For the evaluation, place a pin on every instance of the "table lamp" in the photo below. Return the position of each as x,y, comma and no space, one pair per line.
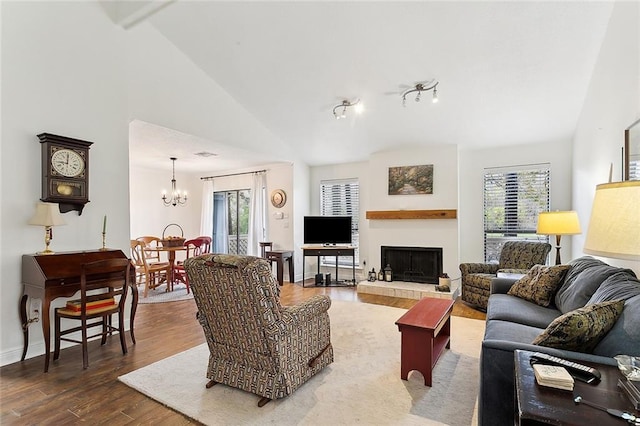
558,223
47,215
614,228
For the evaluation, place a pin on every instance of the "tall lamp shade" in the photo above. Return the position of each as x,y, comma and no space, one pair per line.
47,215
614,228
558,223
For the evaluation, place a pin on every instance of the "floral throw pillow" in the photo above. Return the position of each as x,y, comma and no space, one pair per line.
581,330
540,284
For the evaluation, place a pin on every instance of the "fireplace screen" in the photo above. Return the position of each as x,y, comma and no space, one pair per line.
414,264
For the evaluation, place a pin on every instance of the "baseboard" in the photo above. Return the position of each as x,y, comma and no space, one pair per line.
36,349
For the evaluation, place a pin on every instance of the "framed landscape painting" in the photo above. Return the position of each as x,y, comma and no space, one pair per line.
411,180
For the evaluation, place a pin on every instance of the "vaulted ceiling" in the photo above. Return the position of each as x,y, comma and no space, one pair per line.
508,72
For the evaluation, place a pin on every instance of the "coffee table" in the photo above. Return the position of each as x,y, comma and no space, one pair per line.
426,331
539,405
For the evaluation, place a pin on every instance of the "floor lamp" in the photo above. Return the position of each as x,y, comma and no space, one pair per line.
614,228
558,223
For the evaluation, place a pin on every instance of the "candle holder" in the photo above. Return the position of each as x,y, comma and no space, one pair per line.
104,241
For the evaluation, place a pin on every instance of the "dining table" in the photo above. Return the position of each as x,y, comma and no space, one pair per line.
171,257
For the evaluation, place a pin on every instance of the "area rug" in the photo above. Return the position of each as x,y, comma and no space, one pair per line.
161,295
362,385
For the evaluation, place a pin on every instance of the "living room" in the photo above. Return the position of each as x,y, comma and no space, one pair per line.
69,70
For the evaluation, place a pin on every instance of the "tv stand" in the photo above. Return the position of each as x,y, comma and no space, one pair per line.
323,250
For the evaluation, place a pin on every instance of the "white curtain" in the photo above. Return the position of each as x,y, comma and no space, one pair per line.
206,219
257,214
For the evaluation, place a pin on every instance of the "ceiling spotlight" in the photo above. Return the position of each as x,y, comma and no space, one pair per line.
340,110
419,88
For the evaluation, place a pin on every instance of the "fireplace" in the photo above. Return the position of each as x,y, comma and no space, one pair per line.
415,264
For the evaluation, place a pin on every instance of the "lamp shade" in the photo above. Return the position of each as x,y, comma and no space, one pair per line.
614,228
558,223
47,214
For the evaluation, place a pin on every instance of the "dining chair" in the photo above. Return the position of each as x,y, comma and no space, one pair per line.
194,247
109,285
206,247
151,242
154,273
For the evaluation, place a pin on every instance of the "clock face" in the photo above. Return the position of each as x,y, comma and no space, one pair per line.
67,162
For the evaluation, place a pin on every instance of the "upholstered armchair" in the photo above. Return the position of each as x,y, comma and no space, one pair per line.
516,257
255,343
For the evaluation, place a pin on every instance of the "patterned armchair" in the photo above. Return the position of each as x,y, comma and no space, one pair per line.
256,344
516,257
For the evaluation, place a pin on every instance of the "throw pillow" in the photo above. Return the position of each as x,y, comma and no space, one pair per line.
581,330
540,284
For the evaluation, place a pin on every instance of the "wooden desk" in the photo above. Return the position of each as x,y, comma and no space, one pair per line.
280,256
426,331
48,277
336,251
539,405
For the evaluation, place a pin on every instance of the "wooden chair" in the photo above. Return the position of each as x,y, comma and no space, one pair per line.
206,247
154,273
195,247
265,246
108,295
151,242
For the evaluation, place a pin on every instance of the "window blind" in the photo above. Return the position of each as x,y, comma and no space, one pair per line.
513,197
342,198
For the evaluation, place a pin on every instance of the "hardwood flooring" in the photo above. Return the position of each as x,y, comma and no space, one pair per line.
69,395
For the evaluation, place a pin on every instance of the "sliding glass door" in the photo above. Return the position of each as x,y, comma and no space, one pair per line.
231,221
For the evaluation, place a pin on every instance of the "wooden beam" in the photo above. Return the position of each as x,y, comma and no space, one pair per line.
412,214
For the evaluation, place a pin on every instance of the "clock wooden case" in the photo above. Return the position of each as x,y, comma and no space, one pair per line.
65,171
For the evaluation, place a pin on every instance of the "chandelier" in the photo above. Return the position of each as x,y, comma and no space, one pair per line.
177,198
421,87
340,110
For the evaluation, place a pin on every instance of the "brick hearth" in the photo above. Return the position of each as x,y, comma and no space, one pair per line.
406,290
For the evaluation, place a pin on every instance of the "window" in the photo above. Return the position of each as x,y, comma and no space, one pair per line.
342,198
513,197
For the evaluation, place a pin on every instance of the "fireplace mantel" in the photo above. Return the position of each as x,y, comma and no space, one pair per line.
412,214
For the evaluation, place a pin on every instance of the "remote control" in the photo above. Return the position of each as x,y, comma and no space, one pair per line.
579,371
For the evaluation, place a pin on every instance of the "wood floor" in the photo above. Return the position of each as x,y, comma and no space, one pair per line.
69,395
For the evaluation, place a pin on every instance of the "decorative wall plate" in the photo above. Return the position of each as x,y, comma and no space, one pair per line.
278,198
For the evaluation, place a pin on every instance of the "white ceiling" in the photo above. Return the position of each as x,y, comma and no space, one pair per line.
509,72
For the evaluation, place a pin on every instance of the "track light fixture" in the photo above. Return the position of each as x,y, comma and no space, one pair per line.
421,87
340,110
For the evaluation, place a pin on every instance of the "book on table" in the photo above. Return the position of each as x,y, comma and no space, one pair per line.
76,305
553,376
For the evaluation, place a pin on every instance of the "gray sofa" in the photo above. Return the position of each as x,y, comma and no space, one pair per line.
513,323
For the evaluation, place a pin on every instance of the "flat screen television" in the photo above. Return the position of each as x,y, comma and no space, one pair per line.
327,230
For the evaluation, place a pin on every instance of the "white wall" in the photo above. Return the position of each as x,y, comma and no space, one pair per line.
373,179
58,79
472,166
149,215
611,105
68,69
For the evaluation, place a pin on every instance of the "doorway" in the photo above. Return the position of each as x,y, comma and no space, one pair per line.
231,221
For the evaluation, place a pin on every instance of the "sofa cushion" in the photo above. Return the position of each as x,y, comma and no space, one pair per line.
540,284
582,280
624,337
511,308
619,286
510,332
582,329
